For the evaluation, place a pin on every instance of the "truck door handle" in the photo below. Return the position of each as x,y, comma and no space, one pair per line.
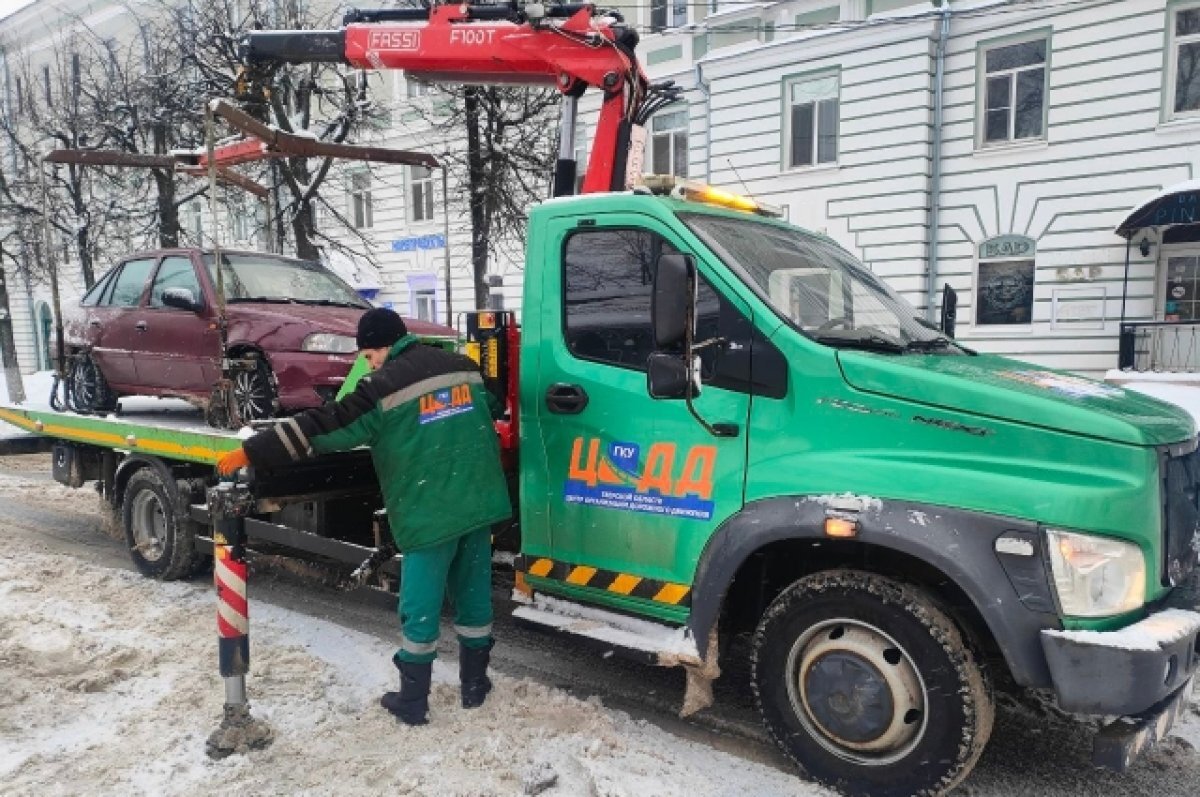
140,326
565,399
94,323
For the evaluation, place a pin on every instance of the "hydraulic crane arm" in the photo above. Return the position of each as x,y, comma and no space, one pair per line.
570,47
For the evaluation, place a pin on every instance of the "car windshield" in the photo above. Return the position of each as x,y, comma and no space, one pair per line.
816,285
262,278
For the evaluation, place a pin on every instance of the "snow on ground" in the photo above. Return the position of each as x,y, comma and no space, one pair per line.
108,684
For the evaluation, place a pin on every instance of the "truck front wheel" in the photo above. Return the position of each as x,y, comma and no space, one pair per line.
869,687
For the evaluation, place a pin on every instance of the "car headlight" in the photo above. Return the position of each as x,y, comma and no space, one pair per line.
329,343
1096,576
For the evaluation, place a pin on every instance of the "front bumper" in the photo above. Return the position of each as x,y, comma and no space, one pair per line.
1142,673
1127,671
308,379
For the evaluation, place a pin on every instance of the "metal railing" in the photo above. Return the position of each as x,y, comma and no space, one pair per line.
1160,346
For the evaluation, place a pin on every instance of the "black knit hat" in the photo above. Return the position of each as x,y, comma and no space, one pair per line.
379,328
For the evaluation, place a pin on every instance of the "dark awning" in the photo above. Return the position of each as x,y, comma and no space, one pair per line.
1176,204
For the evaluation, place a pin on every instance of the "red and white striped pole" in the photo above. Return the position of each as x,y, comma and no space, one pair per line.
228,505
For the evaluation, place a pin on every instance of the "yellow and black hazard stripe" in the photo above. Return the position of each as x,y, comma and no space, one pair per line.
666,592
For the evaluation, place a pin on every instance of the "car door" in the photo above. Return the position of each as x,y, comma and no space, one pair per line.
113,323
177,349
634,485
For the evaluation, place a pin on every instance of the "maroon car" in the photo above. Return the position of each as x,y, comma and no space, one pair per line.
149,327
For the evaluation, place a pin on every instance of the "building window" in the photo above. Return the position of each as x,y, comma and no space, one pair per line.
1014,92
46,85
425,305
420,183
666,14
195,220
20,97
669,144
811,128
361,212
419,88
1184,64
1004,281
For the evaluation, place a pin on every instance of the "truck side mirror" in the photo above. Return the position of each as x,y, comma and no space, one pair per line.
949,310
666,376
181,299
672,299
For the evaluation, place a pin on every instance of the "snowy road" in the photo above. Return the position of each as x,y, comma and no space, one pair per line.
108,685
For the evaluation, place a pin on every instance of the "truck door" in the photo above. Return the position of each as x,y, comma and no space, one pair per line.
635,486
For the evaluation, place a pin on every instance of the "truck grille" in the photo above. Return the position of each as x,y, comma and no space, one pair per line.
1181,510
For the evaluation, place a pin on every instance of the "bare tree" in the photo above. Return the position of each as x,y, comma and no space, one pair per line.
327,102
511,139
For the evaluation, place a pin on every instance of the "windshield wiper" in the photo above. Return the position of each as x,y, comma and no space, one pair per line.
929,344
329,303
262,299
864,338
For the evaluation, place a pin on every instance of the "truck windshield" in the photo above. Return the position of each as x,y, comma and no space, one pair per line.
262,278
818,286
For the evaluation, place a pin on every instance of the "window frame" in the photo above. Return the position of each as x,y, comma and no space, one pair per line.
98,288
785,144
153,282
107,295
426,184
356,194
1171,60
982,48
671,20
670,135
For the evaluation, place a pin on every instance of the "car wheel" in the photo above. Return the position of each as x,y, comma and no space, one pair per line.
869,687
89,389
160,545
254,392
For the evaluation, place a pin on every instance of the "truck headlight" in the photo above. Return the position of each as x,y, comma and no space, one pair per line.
1096,576
329,343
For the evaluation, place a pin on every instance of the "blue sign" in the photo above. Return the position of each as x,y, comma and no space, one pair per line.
419,242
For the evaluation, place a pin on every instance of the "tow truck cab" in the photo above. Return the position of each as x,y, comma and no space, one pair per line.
892,516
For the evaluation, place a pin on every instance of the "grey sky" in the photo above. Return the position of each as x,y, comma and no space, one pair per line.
9,6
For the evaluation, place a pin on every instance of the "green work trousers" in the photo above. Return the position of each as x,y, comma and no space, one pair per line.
464,565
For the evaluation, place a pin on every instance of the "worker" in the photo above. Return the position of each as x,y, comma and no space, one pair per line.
426,416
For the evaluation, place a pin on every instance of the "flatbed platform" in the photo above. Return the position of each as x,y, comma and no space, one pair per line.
173,433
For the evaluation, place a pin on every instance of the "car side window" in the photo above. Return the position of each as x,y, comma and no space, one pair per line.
609,278
175,272
92,297
129,284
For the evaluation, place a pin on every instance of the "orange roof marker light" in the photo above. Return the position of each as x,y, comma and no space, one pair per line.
693,191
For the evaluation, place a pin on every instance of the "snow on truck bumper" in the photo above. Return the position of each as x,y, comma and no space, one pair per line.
1141,673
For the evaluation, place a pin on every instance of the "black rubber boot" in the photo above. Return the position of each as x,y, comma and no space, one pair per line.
472,672
411,704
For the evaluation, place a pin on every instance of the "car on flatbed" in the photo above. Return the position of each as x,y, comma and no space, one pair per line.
150,327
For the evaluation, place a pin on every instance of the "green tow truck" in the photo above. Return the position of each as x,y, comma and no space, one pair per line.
724,425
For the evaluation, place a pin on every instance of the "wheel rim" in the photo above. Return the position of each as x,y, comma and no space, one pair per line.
251,395
148,521
857,692
84,383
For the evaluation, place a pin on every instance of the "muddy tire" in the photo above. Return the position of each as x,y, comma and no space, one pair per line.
160,545
869,687
89,389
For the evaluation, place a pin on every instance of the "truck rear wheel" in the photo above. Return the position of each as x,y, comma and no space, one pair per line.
161,546
869,687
